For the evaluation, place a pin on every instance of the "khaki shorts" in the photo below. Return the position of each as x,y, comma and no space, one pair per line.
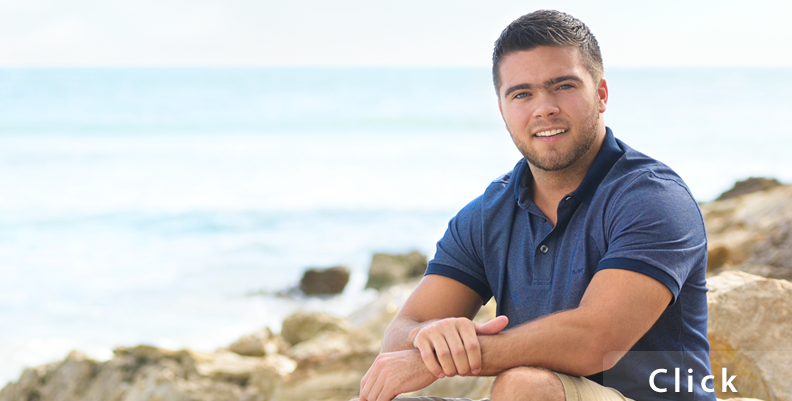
576,389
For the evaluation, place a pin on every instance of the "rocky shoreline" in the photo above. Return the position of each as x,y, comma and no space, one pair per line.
317,356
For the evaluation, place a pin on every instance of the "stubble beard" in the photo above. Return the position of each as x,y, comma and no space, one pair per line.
558,161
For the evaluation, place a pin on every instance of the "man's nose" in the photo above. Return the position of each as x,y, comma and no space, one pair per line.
546,106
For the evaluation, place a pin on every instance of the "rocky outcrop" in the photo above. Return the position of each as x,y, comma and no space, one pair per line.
387,269
260,343
316,357
750,321
749,185
329,281
149,373
303,326
752,232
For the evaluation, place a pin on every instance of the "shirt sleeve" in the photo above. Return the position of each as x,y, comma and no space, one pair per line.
458,254
655,227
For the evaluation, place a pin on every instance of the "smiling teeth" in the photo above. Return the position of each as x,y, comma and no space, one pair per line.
551,132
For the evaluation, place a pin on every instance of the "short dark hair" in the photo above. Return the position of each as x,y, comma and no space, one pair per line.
547,28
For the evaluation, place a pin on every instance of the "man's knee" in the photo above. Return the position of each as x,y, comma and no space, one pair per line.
527,383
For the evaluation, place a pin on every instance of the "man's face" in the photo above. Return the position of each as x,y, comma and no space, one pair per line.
551,106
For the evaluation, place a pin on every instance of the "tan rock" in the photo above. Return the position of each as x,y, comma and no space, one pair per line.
269,375
146,354
30,384
387,269
227,366
60,381
332,364
260,343
750,185
328,347
750,318
146,373
159,382
377,315
304,325
772,255
751,230
330,385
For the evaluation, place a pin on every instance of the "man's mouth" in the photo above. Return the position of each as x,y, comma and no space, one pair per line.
551,132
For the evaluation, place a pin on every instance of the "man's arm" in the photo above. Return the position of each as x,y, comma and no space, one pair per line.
617,309
436,297
442,306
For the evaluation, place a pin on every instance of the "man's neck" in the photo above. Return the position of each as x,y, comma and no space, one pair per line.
549,187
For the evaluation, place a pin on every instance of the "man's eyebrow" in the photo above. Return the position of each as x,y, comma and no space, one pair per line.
517,88
550,82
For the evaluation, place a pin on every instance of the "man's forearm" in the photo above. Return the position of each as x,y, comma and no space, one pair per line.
563,342
397,336
617,309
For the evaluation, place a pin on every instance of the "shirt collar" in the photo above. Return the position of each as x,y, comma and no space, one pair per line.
607,156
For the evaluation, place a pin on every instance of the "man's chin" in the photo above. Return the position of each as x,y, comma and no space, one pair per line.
549,165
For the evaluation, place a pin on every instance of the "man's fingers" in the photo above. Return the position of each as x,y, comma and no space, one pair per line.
368,381
458,353
472,348
494,326
429,359
371,393
363,382
443,353
385,393
376,390
450,347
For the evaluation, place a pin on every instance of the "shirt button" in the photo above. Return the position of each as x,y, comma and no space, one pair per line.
568,198
543,248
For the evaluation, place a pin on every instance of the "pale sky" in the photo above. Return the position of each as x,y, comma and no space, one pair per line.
376,32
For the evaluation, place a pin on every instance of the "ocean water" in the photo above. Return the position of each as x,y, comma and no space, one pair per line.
161,206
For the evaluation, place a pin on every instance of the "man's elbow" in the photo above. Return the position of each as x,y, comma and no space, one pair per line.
588,364
600,355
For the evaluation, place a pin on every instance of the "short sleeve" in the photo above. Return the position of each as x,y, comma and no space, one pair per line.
458,254
655,227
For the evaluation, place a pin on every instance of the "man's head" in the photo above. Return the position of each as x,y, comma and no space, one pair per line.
547,70
547,28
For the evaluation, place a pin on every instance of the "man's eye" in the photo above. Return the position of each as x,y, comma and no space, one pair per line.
521,95
565,86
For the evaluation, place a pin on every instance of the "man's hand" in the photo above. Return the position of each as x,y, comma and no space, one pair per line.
450,347
393,373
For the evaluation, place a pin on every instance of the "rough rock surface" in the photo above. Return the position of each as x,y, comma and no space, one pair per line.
260,343
303,326
750,185
387,269
752,232
149,373
750,321
326,362
329,281
321,357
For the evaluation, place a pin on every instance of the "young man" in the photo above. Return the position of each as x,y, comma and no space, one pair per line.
590,248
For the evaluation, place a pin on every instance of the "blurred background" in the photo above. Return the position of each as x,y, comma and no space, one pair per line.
167,166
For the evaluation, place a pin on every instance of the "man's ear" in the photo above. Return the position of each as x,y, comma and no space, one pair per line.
602,95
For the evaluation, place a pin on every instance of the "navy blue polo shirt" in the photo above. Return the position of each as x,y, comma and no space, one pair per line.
630,212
